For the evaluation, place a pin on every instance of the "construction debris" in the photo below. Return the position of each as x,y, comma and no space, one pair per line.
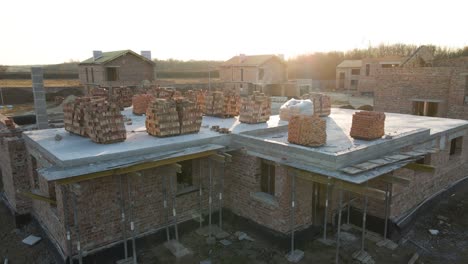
255,108
368,125
31,240
243,236
307,131
434,232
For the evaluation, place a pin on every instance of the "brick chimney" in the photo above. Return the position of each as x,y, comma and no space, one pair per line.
97,54
146,54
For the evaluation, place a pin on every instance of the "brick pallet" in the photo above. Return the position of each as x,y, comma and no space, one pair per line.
122,96
231,103
255,108
73,115
307,131
368,125
198,97
322,103
103,121
140,103
99,92
96,118
162,119
214,104
190,116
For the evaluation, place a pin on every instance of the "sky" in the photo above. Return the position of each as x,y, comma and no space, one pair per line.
56,31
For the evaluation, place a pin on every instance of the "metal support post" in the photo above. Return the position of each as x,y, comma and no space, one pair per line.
348,207
200,194
174,206
77,228
326,213
67,224
316,197
122,210
339,226
132,224
210,198
221,187
293,209
166,211
364,216
388,198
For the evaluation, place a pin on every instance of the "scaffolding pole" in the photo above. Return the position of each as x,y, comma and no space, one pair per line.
174,206
293,209
221,187
388,199
67,224
132,224
200,194
348,213
364,217
314,202
78,236
210,198
166,212
340,204
326,213
122,211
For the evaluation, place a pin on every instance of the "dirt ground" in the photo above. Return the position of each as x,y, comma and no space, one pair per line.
14,250
449,216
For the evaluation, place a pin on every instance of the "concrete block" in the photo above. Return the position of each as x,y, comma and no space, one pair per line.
295,256
177,249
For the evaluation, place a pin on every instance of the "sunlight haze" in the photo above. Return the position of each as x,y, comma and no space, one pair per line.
49,31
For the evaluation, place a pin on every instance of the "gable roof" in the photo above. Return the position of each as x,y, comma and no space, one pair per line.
350,64
253,60
112,55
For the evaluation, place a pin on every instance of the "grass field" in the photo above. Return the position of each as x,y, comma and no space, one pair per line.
47,83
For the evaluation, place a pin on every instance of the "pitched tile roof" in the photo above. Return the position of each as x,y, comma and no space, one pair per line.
253,60
112,55
350,64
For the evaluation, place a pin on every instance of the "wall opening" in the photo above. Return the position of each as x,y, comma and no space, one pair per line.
112,74
456,146
367,69
242,75
185,178
267,181
355,71
422,108
34,173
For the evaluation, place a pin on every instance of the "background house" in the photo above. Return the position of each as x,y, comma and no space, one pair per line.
116,68
258,70
347,75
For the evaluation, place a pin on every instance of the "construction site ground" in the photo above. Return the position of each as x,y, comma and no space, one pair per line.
449,216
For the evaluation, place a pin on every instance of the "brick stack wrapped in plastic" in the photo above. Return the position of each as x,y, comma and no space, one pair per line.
104,122
307,130
368,125
190,116
140,103
95,117
255,108
322,103
162,119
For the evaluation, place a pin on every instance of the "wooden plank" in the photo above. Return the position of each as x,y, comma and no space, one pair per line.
136,167
352,187
419,167
218,158
395,179
37,197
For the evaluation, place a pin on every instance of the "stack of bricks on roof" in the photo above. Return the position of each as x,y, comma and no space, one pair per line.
274,173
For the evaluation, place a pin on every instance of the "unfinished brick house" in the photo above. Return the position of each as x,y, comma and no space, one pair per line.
361,76
116,68
88,196
259,70
440,90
